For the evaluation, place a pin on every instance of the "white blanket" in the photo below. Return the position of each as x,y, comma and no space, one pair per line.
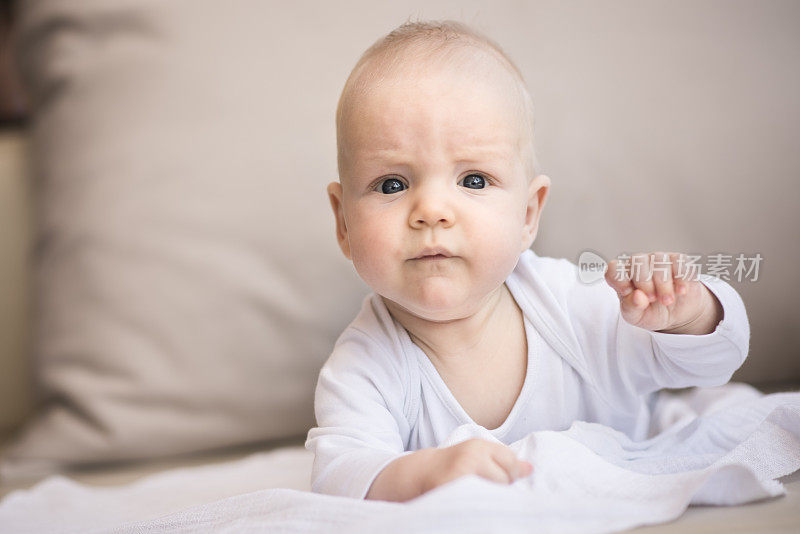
586,479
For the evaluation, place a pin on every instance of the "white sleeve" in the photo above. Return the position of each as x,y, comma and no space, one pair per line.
359,406
705,360
631,360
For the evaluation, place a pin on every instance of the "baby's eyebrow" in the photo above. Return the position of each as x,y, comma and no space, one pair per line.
386,157
482,153
383,153
461,155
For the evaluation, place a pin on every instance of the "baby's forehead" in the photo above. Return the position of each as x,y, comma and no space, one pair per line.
414,67
405,118
409,79
471,108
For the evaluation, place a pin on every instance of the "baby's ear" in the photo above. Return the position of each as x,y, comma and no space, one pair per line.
335,196
538,190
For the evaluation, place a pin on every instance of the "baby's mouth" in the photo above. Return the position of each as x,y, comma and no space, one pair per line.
435,257
433,254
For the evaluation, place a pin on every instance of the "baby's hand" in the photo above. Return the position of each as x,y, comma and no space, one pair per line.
661,297
414,474
492,461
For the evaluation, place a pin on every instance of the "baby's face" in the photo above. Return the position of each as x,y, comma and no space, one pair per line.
434,206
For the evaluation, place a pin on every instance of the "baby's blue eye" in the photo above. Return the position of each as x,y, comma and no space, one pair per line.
392,185
474,181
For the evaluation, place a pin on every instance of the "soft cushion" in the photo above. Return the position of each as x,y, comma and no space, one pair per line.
189,285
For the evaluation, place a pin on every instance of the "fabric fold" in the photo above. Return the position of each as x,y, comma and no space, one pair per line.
718,446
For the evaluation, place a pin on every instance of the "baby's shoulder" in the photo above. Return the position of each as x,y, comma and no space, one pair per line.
559,275
367,360
370,346
561,279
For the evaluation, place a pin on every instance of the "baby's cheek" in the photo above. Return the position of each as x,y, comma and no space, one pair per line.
371,252
499,246
500,235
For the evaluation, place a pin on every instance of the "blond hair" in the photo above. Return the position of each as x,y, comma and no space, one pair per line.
429,41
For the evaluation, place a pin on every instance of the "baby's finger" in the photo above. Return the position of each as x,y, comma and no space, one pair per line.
618,277
493,471
662,278
680,273
642,275
633,306
508,461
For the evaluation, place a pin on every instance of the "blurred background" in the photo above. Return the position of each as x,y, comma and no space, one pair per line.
169,276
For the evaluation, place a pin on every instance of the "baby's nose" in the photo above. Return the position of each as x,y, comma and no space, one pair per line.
430,212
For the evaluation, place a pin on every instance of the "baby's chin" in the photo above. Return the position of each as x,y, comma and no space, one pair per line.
436,303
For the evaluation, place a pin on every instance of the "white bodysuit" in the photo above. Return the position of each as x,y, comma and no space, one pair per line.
379,396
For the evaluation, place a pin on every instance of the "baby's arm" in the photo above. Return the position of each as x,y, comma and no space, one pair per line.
412,475
684,359
362,430
401,480
702,349
361,425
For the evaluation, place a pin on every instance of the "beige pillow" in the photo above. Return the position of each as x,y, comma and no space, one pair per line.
188,279
15,398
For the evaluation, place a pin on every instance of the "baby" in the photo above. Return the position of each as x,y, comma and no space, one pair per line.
438,203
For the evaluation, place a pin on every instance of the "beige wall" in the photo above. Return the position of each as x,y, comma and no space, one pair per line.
673,126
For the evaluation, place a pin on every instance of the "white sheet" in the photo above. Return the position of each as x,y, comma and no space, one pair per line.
587,479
